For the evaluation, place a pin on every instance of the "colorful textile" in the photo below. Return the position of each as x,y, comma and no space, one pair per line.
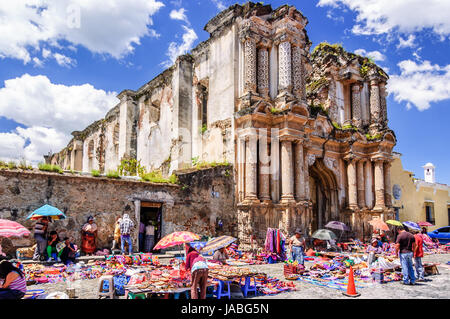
88,243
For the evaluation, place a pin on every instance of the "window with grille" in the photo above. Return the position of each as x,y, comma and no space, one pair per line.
429,213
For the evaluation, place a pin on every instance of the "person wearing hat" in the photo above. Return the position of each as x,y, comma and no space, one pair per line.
297,246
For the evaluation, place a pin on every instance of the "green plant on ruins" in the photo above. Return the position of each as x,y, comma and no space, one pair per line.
95,173
275,111
12,165
50,168
374,137
203,129
113,174
157,177
130,167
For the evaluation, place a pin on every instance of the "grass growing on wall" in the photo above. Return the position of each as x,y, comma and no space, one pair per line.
95,173
157,177
113,174
50,168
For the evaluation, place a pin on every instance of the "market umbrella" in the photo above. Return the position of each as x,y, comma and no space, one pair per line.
425,224
9,228
217,243
411,225
337,225
377,223
394,222
47,211
176,238
324,234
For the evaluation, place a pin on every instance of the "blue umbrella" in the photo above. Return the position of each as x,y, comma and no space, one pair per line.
47,211
411,225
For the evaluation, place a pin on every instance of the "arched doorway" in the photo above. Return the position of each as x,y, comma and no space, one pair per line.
324,195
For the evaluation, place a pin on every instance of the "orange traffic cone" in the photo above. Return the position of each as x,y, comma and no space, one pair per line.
351,290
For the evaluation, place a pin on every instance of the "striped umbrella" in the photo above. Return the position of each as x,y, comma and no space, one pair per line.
176,238
47,211
377,223
217,243
9,228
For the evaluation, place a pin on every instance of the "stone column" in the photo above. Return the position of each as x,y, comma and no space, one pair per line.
369,184
379,185
298,73
374,102
250,65
241,168
251,169
299,171
284,68
383,106
352,184
356,105
275,165
361,185
306,176
264,166
263,72
287,189
387,184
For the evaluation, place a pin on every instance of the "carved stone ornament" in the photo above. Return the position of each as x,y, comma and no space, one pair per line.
311,159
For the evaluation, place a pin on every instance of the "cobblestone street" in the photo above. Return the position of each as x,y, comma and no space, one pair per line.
438,287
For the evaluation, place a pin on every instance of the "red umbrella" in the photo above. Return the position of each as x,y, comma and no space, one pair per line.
424,224
9,228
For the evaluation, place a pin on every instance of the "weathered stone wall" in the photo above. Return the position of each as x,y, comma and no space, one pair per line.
194,205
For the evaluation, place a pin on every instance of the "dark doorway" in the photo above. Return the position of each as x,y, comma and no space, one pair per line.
151,213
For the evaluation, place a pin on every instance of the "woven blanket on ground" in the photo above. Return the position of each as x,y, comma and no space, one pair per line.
340,284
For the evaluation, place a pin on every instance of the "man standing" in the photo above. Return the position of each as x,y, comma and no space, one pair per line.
297,246
126,227
141,236
418,255
40,235
405,246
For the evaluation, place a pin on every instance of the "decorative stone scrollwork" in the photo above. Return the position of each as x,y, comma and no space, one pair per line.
356,105
375,101
263,71
250,65
284,66
298,72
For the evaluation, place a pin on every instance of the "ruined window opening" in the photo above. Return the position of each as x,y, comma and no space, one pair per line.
203,106
116,138
91,155
429,213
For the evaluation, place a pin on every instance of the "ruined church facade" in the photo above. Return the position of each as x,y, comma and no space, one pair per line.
307,133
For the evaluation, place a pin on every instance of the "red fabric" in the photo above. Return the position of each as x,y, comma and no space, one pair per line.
418,252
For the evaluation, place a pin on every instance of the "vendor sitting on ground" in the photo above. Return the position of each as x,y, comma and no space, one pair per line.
14,285
199,272
69,252
53,240
319,245
220,256
373,247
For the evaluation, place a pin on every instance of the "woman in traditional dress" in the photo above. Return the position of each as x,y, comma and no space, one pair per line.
89,236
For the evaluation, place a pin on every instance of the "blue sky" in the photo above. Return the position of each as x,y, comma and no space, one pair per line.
62,63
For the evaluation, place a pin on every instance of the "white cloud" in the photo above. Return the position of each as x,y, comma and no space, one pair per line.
408,43
175,50
404,16
179,15
31,143
219,4
420,84
63,60
50,113
374,55
106,27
